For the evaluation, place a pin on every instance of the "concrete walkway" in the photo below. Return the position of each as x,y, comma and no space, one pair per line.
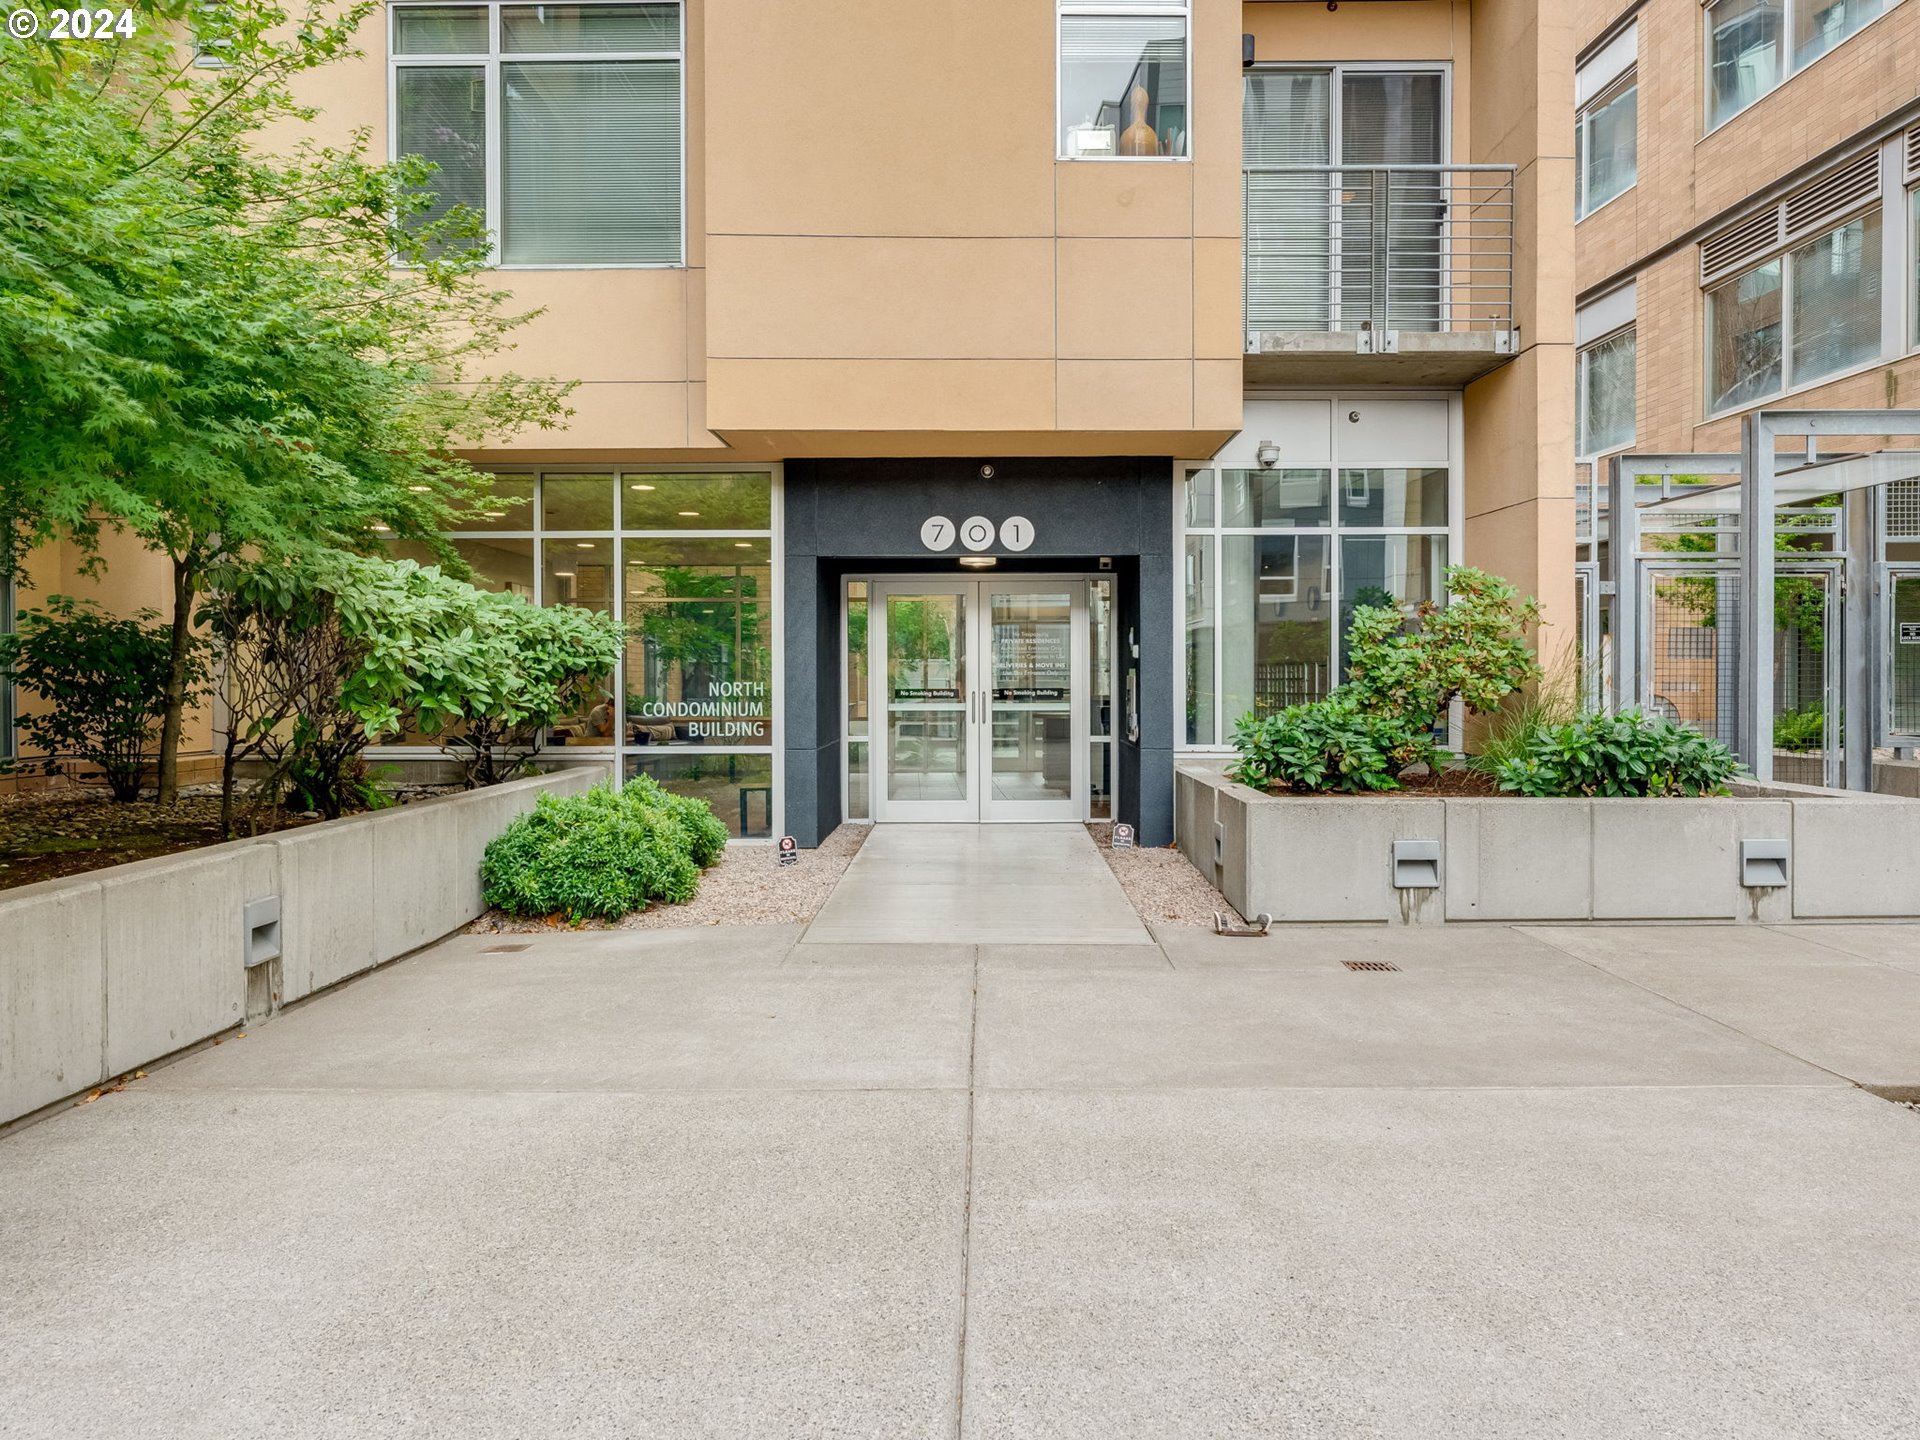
978,885
1561,1181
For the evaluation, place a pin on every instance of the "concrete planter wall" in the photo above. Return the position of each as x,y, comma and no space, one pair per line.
1330,859
108,971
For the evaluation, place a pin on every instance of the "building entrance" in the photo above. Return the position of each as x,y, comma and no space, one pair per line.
980,698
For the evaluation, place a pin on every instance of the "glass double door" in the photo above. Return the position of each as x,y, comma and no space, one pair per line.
981,699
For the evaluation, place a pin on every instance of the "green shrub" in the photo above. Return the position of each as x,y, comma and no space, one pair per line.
1556,698
602,854
1401,683
1331,744
1627,754
1800,730
104,679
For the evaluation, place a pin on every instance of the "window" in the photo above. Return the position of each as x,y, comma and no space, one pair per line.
1604,417
1607,144
1797,318
559,124
1123,80
1606,137
1754,45
1275,562
1913,253
685,560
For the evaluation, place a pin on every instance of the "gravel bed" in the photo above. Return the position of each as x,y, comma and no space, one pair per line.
749,886
1163,887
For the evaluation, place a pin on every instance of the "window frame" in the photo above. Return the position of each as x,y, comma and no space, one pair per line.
1216,532
1783,256
1155,9
1786,70
1615,89
618,534
489,64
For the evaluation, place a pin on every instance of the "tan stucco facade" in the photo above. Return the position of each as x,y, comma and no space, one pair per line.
885,258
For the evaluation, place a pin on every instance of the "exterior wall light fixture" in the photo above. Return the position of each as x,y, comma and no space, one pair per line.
1268,454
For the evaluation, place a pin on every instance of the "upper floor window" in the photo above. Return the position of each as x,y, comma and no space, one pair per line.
1797,318
1606,374
1123,80
1753,45
561,124
1607,123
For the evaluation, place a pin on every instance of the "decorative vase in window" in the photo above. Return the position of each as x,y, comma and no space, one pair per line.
1138,138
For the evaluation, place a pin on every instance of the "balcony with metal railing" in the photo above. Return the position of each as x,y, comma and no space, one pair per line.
1383,274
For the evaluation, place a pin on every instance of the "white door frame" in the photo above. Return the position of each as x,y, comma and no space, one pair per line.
979,704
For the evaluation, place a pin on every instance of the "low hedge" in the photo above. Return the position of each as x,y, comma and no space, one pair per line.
602,854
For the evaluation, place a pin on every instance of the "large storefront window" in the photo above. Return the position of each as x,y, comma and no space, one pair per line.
1297,549
685,561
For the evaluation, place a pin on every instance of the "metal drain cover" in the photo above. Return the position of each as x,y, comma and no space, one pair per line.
505,949
1369,965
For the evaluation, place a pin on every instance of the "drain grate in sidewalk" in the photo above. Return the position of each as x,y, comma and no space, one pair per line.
1369,965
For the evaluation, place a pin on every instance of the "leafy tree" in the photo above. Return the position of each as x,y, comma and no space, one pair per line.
100,676
203,338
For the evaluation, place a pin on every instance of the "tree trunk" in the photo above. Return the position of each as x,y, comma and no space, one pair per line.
176,693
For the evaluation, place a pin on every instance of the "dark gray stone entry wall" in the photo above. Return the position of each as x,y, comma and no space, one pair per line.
863,516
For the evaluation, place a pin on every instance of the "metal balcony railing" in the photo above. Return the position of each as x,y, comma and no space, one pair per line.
1373,248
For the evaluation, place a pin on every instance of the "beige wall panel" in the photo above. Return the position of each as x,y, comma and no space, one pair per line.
1594,20
612,415
1888,387
880,298
1669,352
1543,252
869,117
599,325
1393,30
1509,40
1125,299
1531,545
350,94
1219,316
1102,198
1519,432
1609,240
1121,395
879,395
1215,150
1219,389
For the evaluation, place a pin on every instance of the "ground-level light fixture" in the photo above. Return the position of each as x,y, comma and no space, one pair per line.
979,562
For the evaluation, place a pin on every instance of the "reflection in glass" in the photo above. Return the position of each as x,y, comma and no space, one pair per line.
1393,571
690,568
554,29
1100,657
699,672
1199,499
1819,25
697,502
1607,145
576,502
435,117
1743,338
1393,497
496,564
580,573
1100,780
1123,85
509,508
1836,301
926,683
1032,697
1276,622
1199,641
738,788
439,30
857,677
1745,53
1257,498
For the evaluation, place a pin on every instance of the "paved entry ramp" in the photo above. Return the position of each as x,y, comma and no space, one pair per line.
978,885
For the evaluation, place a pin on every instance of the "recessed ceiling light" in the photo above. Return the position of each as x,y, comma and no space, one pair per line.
420,489
384,529
690,514
563,574
979,562
493,514
641,487
583,544
743,544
